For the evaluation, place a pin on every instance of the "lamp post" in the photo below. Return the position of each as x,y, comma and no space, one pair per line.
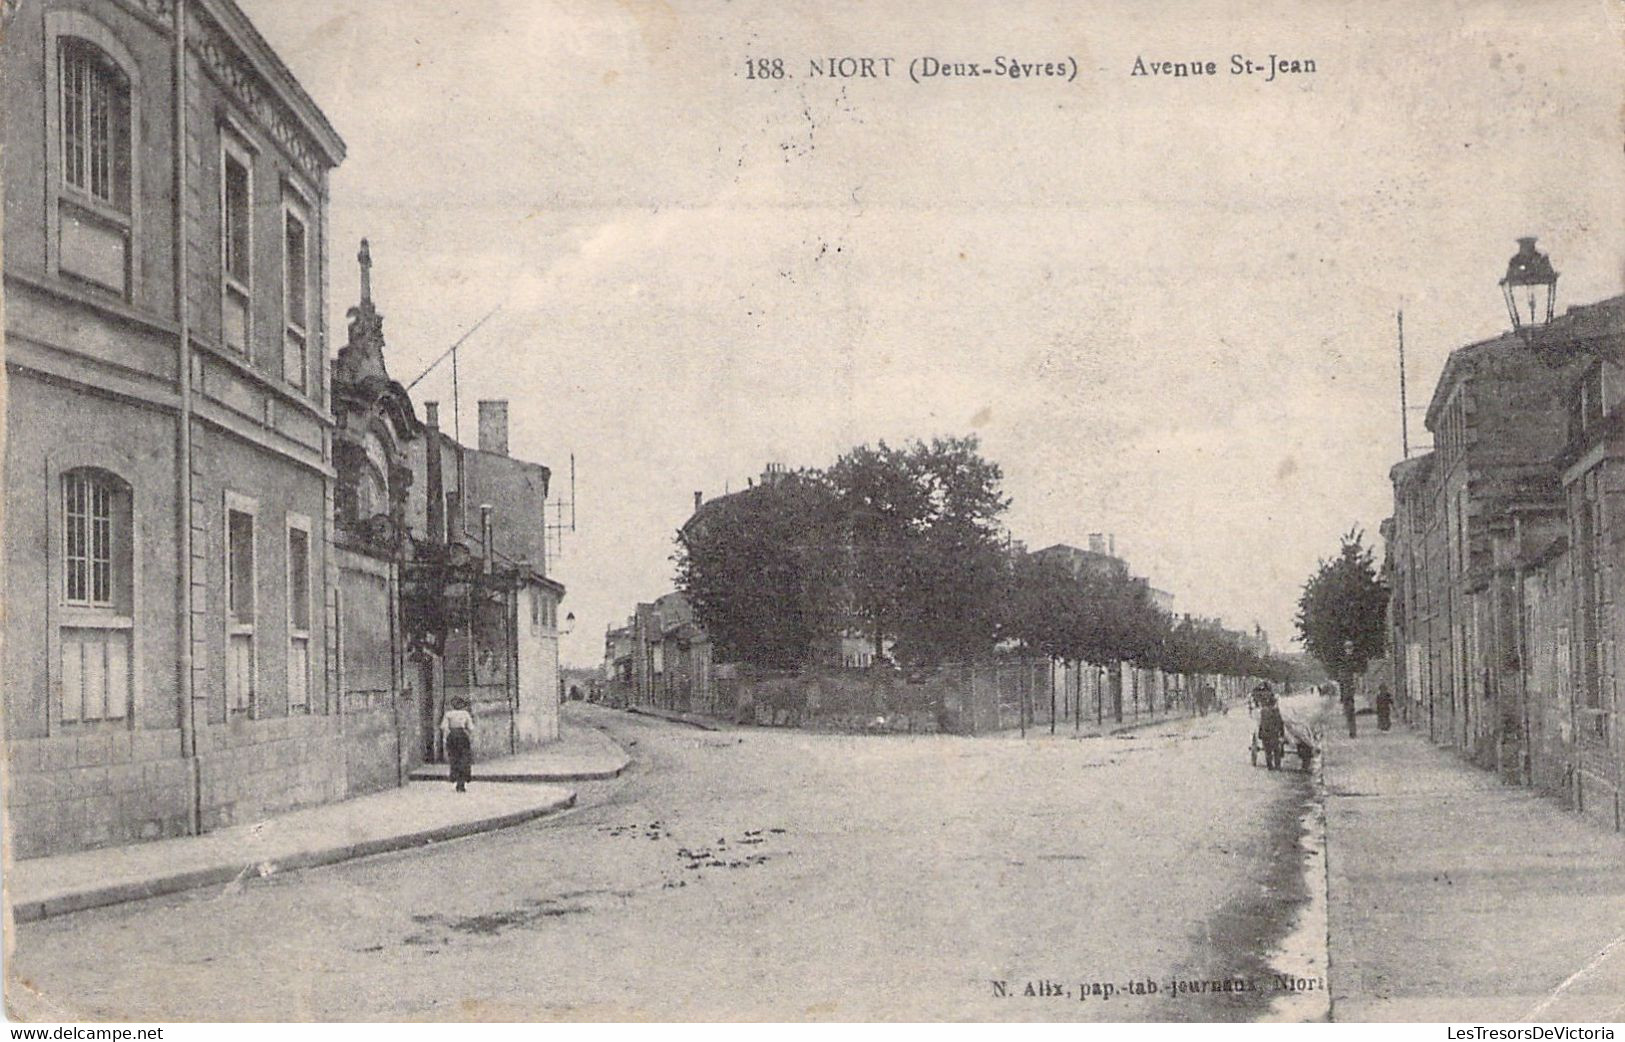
1530,289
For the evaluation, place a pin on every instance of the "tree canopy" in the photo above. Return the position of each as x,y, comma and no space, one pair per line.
760,570
905,548
1343,610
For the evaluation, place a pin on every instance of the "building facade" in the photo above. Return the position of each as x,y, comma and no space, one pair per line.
168,467
209,534
1503,556
482,621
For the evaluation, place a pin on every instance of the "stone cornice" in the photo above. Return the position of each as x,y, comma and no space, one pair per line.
240,60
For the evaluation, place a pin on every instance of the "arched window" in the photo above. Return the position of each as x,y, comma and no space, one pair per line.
95,123
97,593
93,156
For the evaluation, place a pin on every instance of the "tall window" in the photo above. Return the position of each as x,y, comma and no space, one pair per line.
1593,598
87,510
240,671
298,615
236,240
95,640
296,304
94,158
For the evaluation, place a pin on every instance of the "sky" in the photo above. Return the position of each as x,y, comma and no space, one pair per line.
1165,305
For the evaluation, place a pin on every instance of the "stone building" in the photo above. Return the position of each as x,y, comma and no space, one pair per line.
375,427
1504,557
168,469
211,534
1498,417
1593,480
482,619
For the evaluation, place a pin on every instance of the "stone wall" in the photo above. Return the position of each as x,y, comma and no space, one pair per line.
256,768
70,793
380,737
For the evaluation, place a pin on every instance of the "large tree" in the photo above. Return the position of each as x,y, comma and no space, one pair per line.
1343,610
926,555
761,569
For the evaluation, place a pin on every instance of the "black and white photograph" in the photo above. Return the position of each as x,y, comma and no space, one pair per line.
808,511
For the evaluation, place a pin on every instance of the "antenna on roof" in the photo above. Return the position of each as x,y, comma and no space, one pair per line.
559,526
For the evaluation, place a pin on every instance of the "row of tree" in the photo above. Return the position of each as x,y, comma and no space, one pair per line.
904,546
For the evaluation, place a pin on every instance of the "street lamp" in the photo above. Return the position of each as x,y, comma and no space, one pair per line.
1530,288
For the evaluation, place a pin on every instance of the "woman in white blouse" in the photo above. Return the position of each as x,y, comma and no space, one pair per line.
457,732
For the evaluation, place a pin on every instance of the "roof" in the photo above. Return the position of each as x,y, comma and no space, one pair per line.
1461,364
1414,469
1597,328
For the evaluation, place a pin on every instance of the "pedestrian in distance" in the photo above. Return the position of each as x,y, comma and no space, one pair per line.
457,732
1385,707
1347,696
1271,727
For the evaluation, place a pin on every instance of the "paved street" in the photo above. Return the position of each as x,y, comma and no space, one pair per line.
759,874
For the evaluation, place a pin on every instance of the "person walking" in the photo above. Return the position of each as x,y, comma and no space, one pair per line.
457,732
1347,696
1385,707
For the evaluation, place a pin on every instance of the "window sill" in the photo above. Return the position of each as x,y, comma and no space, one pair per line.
79,617
99,209
111,723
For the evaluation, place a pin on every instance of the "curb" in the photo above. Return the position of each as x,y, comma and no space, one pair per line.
121,893
703,725
534,778
438,772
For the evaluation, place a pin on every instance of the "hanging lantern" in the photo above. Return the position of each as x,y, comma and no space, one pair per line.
1530,288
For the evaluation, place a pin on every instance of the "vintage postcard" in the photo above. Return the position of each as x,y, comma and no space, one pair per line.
1036,511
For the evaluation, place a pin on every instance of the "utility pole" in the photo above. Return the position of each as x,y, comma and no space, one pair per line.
1404,411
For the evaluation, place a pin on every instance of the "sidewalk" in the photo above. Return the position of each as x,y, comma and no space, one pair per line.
395,819
39,888
1453,897
582,753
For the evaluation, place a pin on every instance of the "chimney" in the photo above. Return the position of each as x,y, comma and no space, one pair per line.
434,481
697,500
494,427
1097,543
1111,544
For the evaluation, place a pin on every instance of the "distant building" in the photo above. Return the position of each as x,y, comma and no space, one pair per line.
660,658
483,615
1094,561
